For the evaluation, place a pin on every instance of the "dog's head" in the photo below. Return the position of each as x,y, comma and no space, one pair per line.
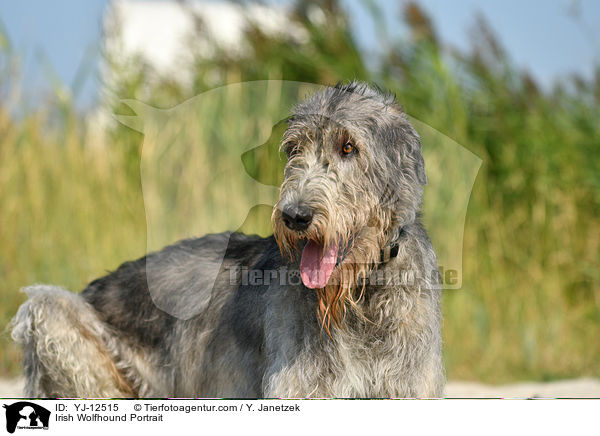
355,174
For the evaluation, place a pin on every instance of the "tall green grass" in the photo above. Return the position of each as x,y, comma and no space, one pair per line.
71,203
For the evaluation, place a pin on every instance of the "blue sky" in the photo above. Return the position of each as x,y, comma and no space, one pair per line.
58,36
540,36
62,37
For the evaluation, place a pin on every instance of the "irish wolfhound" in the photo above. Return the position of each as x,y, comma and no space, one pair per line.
352,309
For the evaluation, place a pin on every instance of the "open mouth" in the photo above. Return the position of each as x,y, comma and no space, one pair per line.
318,262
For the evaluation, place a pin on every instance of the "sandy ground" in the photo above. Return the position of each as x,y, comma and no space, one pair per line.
10,388
578,388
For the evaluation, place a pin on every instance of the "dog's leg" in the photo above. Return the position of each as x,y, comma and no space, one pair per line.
66,347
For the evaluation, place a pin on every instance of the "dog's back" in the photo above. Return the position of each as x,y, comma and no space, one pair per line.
217,352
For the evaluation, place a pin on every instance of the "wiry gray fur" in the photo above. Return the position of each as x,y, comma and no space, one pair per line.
269,339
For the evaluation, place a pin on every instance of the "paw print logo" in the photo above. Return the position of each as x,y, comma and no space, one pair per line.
293,277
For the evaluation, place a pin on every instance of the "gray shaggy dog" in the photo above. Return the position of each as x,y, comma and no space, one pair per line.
343,300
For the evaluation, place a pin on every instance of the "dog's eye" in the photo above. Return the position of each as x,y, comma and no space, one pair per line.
348,148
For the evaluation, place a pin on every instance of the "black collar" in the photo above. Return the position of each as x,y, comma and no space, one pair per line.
391,251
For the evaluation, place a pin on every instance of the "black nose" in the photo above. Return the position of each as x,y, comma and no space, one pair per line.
296,217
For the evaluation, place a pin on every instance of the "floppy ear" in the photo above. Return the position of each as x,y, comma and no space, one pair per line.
419,163
410,137
411,153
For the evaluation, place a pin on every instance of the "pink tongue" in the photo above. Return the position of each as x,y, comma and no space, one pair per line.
316,266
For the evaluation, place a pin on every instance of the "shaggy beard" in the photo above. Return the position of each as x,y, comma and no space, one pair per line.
346,285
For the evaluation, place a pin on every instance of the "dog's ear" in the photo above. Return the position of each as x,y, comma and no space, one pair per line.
419,163
410,155
411,146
